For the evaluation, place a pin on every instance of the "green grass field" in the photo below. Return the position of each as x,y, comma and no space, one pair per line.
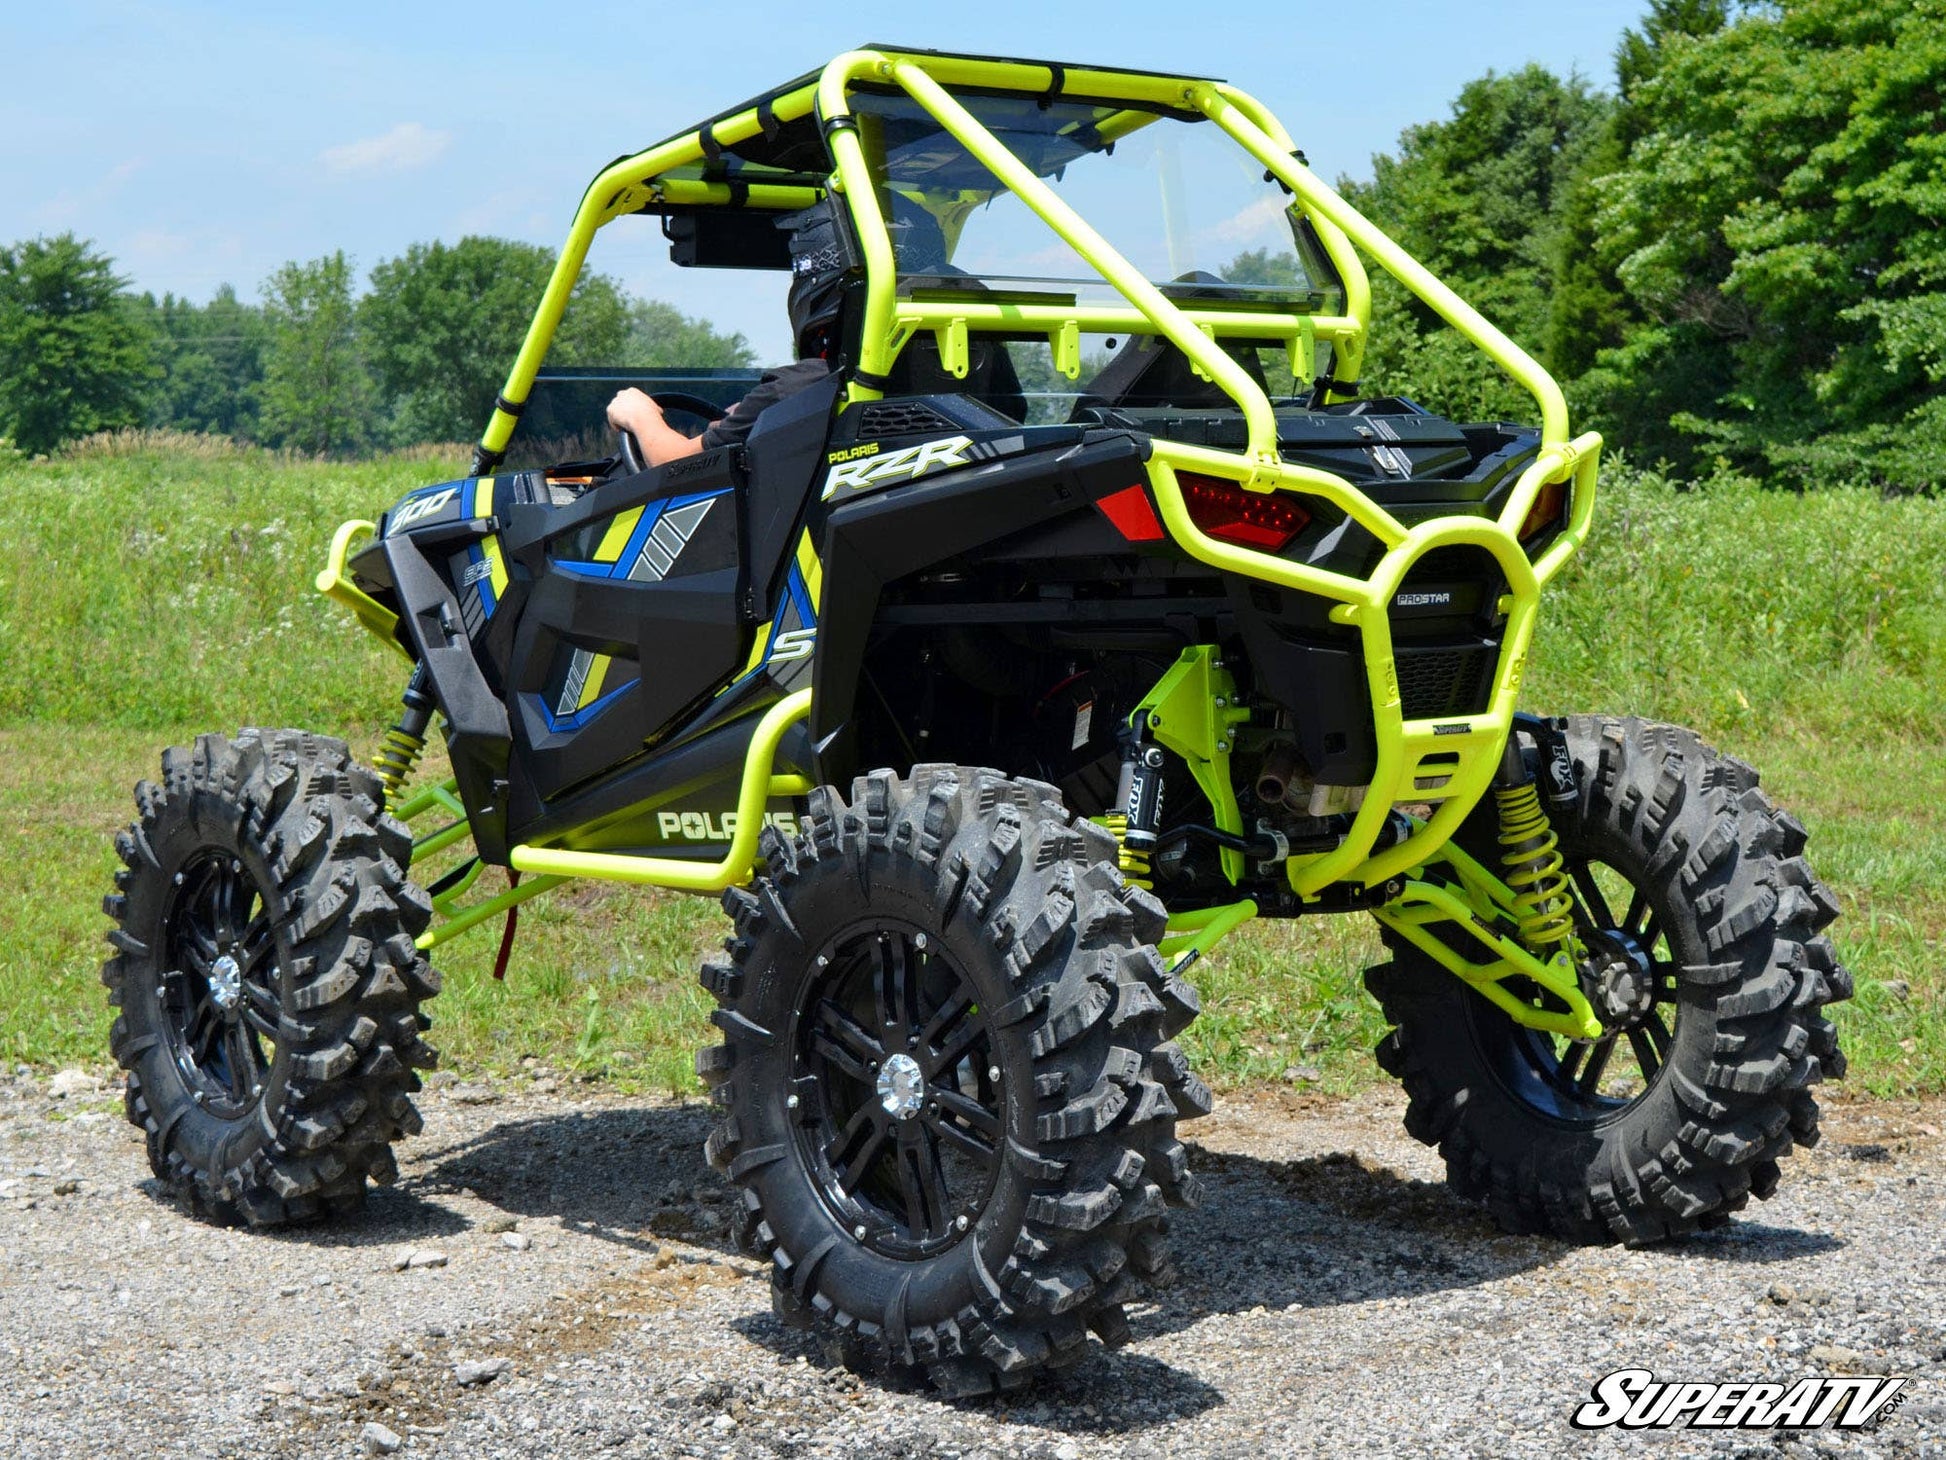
149,590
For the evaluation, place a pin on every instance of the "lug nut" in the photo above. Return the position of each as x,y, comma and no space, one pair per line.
791,1103
993,1074
859,1231
918,940
961,1222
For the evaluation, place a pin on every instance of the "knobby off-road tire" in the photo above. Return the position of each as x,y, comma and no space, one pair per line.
975,916
1718,886
266,976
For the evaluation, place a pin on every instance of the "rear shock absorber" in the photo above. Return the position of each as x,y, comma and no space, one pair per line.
399,750
1139,822
1530,855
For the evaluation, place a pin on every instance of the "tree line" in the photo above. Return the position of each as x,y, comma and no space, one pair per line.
1734,253
316,363
1738,253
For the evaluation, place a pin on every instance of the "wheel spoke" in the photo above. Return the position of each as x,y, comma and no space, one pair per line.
946,1019
967,1110
865,1124
264,1026
946,1058
243,1058
1643,1044
255,943
1659,1035
195,959
1571,1061
1589,1085
1650,933
845,1043
971,1142
922,1185
1593,903
1638,905
897,987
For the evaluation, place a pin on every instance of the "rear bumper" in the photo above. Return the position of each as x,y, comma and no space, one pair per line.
1444,760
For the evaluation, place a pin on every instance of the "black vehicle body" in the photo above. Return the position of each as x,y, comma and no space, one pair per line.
975,597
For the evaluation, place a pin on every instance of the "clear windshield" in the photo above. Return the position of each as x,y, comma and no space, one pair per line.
1178,199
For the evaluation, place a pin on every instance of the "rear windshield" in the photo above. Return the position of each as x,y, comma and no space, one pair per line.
1176,197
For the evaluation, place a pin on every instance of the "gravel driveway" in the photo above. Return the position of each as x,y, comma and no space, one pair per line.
1335,1300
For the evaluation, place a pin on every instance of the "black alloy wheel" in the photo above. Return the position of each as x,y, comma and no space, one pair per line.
905,1127
1630,978
220,995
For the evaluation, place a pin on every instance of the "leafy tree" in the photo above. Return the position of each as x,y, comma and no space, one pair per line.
1776,226
661,336
317,391
211,358
1475,198
74,356
444,323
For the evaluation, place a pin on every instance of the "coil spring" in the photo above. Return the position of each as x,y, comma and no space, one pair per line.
397,754
1531,855
1134,864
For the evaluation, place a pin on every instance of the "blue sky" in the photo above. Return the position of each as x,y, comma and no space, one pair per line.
207,143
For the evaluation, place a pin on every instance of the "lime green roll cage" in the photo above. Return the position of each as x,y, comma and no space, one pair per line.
1455,758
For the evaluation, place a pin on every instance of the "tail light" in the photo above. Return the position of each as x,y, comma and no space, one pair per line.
1263,520
1549,502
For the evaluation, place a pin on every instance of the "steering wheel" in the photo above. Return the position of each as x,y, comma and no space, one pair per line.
670,400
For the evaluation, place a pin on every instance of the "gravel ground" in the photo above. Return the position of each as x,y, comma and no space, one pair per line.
1335,1300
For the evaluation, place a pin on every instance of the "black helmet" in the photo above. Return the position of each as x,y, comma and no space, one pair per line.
824,258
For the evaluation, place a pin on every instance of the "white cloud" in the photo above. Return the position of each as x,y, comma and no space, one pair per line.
1259,221
405,147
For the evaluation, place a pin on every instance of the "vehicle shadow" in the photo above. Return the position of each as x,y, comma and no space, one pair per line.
1310,1233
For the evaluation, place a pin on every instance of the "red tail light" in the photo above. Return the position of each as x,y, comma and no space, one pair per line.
1264,520
1546,511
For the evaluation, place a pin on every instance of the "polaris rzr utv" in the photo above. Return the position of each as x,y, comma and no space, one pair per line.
988,712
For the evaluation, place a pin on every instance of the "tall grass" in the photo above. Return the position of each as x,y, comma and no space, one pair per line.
150,588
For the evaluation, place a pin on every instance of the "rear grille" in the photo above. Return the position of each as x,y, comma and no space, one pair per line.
882,418
1442,680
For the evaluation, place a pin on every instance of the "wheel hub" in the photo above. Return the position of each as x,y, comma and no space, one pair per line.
901,1087
226,983
1624,983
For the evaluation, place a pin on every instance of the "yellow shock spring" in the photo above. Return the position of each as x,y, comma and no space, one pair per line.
1531,855
397,754
1134,864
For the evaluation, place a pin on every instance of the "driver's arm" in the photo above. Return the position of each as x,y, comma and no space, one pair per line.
633,411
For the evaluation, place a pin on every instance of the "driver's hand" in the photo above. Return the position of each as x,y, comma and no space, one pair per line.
633,411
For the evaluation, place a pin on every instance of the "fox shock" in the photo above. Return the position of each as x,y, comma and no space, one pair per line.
1530,856
1139,822
402,745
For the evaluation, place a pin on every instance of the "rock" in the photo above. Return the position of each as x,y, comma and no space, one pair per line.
475,1095
1898,988
499,1224
546,1086
516,1241
1830,1355
378,1440
72,1082
420,1257
480,1371
1782,1293
1294,1073
1067,1450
